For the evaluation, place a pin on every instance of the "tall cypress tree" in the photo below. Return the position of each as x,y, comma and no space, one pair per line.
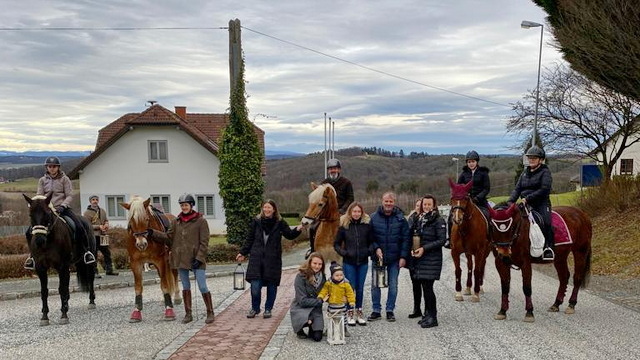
241,183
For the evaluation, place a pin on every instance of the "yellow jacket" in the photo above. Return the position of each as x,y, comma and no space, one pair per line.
338,293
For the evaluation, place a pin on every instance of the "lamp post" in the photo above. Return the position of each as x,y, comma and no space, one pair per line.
527,25
456,160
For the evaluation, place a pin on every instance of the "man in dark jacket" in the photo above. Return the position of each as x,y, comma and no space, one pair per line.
391,244
534,187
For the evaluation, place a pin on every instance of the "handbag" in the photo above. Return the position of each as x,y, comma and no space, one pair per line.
536,237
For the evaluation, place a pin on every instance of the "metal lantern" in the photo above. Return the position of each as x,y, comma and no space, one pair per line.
379,277
415,241
238,278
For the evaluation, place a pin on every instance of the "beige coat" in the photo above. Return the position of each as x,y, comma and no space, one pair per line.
60,186
189,240
96,219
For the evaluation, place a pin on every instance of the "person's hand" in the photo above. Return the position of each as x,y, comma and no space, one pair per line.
524,201
299,227
195,264
417,253
379,253
325,298
402,262
240,258
59,209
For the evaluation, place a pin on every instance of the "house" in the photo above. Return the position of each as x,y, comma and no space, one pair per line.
629,162
158,154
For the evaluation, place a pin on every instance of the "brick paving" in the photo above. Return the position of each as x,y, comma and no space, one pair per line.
232,335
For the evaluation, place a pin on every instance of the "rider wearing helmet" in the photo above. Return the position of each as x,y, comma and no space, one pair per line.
534,187
56,183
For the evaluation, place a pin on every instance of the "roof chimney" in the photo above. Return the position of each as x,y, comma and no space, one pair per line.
182,112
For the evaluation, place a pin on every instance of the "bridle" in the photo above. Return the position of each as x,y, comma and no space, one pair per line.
504,226
325,199
44,229
463,209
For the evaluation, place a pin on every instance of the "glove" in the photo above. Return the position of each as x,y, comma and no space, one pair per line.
195,264
59,209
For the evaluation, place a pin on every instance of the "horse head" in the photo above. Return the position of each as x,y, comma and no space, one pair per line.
139,220
505,229
323,204
41,216
459,200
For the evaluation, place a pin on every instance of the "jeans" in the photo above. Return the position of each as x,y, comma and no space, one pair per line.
356,274
393,270
256,292
201,279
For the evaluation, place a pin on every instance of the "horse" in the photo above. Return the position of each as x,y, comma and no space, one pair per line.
143,250
510,242
469,235
51,247
323,208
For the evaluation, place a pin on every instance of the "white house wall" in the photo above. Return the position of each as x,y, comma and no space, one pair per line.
124,169
632,152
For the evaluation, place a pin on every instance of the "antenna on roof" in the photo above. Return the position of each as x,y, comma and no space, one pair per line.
150,103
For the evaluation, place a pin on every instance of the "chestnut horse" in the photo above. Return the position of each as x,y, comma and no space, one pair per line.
142,250
469,235
510,241
323,207
51,247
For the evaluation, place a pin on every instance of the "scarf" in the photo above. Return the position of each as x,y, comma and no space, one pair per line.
188,216
267,224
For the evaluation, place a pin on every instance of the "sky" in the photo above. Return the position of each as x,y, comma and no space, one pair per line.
388,73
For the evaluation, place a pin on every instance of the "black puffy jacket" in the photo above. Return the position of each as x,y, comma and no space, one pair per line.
535,186
391,234
432,229
355,243
481,182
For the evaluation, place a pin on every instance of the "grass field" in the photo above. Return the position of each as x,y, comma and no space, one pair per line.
20,185
565,199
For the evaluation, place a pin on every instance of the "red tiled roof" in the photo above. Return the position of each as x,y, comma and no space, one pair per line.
206,129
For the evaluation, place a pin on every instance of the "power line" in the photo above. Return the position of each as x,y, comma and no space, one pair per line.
374,70
108,28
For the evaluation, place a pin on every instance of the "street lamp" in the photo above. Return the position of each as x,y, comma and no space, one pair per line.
456,160
527,25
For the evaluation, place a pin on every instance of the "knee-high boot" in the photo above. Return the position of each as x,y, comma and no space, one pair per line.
186,297
209,304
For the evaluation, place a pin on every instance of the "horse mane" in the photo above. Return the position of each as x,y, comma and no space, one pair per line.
137,210
316,195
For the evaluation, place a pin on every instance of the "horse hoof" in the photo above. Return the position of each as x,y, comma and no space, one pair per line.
177,301
136,316
459,297
475,298
44,322
553,308
529,319
169,315
499,316
64,321
481,291
467,291
91,306
569,310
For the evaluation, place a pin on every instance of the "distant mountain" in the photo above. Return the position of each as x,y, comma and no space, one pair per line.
45,153
281,154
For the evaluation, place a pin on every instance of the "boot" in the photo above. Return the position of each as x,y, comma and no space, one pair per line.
186,297
209,304
430,321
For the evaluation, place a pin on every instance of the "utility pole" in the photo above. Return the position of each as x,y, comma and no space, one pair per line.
333,139
235,53
325,146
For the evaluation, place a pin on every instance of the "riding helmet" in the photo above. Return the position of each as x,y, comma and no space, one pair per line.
535,151
187,198
52,160
473,155
334,163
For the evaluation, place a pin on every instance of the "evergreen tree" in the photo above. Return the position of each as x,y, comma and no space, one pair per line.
241,182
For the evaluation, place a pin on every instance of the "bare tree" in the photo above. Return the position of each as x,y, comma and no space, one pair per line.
578,116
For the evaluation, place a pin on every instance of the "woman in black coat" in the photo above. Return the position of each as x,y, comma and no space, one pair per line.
264,248
428,257
414,219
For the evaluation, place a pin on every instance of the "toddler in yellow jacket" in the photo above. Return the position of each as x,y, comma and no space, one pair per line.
339,292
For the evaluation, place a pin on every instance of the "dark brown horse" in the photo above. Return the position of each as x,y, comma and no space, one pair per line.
51,247
141,250
469,235
510,240
323,207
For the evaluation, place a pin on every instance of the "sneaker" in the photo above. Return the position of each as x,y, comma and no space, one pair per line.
29,264
360,318
390,316
252,313
89,258
351,320
267,314
547,254
374,316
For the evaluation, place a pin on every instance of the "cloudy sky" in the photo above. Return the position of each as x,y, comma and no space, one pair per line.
58,88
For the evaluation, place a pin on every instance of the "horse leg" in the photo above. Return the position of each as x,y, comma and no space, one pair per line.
467,290
44,295
455,254
505,279
177,297
580,272
136,268
478,275
562,269
63,289
526,289
164,270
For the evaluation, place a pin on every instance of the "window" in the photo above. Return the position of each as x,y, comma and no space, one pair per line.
114,210
626,166
158,151
162,200
205,205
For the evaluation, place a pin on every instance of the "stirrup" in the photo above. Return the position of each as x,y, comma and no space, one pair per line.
89,258
29,264
545,251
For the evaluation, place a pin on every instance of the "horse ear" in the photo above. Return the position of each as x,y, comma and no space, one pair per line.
48,199
146,203
125,205
492,212
29,201
511,209
313,186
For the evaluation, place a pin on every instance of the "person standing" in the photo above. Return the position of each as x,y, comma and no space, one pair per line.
427,258
189,236
97,217
391,244
413,221
354,242
306,308
264,248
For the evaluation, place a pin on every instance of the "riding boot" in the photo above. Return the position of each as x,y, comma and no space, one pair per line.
209,304
186,298
547,253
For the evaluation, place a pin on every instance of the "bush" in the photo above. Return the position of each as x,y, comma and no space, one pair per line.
120,258
222,253
620,193
118,237
11,266
13,245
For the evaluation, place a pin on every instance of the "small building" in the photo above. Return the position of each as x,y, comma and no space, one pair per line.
159,154
629,162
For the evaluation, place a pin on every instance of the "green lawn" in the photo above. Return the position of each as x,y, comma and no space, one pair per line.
568,198
28,185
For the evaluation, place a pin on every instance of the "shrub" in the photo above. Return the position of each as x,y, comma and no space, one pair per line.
13,245
118,237
11,266
222,252
120,258
620,193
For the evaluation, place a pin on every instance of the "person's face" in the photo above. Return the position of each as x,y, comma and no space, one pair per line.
94,201
534,161
267,210
417,207
185,207
388,203
334,172
338,276
356,213
53,169
472,164
427,205
316,264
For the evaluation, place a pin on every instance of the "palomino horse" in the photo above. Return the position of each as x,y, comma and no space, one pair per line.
469,235
142,250
51,247
323,207
510,239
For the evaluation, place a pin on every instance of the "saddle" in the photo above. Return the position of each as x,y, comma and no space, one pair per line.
161,217
561,235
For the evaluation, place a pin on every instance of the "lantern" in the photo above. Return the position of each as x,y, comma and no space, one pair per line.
379,276
415,243
238,278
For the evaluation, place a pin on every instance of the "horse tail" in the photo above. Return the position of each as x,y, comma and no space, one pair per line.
587,270
85,273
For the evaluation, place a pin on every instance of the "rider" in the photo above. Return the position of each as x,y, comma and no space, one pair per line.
534,187
344,195
55,182
481,185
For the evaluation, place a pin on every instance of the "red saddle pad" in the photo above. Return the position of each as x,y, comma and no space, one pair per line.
561,234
